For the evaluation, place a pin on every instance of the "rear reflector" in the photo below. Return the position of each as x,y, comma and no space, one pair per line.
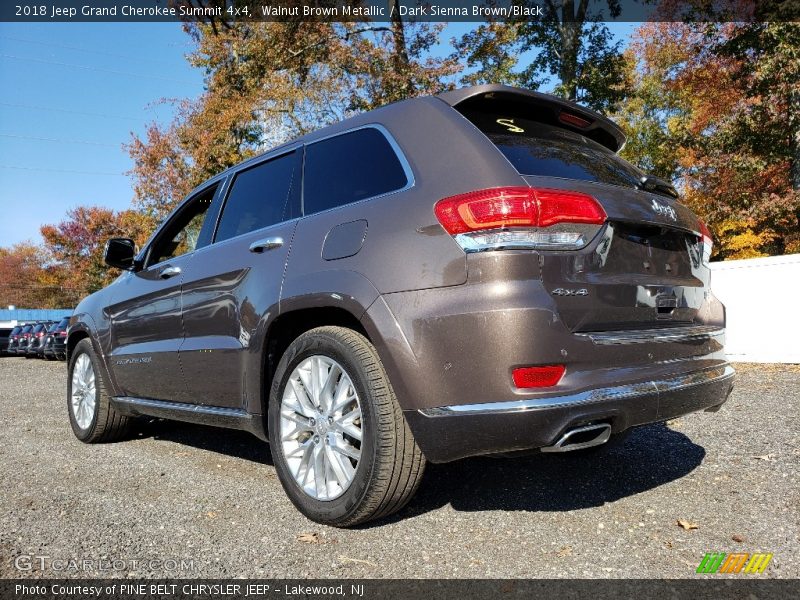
520,217
537,377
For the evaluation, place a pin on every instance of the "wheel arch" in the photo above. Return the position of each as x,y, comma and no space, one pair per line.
288,326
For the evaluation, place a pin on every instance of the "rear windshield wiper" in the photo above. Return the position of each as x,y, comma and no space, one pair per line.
651,183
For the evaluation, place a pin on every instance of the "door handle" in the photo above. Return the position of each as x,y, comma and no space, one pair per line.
168,272
269,243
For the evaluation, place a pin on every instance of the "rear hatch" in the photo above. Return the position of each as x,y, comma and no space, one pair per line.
645,267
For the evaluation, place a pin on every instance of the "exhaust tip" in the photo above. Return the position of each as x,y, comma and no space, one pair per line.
581,437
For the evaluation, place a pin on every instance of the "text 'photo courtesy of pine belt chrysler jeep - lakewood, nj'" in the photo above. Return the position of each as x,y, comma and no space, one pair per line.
466,274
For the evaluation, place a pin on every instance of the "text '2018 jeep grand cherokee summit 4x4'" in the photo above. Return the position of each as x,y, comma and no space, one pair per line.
448,276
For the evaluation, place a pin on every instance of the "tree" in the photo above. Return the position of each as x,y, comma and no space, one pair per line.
267,82
76,244
715,108
571,44
29,280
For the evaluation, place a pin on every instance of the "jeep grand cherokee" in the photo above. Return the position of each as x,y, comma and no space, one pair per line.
473,273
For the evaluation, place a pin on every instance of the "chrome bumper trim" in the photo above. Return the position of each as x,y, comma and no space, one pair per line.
643,336
619,392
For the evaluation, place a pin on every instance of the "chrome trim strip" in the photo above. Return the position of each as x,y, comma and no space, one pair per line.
631,390
148,406
642,336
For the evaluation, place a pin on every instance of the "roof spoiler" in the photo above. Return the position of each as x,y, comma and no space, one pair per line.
565,113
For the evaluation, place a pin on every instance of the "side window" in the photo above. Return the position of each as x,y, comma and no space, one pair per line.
181,234
350,167
259,197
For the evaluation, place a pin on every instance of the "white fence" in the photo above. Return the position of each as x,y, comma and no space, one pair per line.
762,298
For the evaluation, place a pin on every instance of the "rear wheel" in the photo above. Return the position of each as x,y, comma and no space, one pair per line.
339,442
91,415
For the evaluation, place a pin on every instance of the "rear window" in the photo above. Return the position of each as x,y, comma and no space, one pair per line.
63,323
27,328
350,167
16,330
38,328
535,148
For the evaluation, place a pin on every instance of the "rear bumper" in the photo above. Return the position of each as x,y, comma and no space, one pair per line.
447,433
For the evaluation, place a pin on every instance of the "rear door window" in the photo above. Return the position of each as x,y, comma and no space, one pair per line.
535,148
259,197
348,168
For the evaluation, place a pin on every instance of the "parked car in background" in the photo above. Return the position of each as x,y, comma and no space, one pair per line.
55,346
22,340
13,338
473,273
36,340
5,336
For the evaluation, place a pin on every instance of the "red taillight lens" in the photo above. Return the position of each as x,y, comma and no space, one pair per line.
708,241
488,209
538,377
516,207
62,334
558,206
575,120
705,232
519,217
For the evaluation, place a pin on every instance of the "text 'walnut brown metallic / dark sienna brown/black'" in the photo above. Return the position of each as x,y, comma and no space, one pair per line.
473,273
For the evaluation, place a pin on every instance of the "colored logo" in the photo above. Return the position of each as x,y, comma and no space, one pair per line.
737,562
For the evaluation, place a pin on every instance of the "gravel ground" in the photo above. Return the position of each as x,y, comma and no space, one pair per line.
211,497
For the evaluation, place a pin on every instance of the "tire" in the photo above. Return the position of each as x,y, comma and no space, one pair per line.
102,423
390,465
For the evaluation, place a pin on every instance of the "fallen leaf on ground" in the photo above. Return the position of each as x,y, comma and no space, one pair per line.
357,560
687,525
309,538
766,457
564,551
211,514
737,538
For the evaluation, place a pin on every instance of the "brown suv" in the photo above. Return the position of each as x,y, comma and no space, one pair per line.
449,276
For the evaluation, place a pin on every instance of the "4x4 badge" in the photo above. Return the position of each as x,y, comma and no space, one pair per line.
565,292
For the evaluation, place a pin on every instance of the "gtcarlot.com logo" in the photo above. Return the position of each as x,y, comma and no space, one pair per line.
737,562
39,562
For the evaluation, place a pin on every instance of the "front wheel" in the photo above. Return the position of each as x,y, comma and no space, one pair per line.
341,447
91,415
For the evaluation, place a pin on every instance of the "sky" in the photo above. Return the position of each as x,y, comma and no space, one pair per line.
71,94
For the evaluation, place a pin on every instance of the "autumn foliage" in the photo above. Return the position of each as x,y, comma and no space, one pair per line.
714,107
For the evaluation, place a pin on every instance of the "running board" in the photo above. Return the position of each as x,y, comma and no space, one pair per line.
216,416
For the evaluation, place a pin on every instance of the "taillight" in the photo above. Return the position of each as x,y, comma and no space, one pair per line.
62,334
537,377
521,217
572,119
708,241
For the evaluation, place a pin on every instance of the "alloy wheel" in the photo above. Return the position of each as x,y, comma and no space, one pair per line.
83,398
321,427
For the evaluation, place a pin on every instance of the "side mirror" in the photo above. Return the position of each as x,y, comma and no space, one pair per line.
120,253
